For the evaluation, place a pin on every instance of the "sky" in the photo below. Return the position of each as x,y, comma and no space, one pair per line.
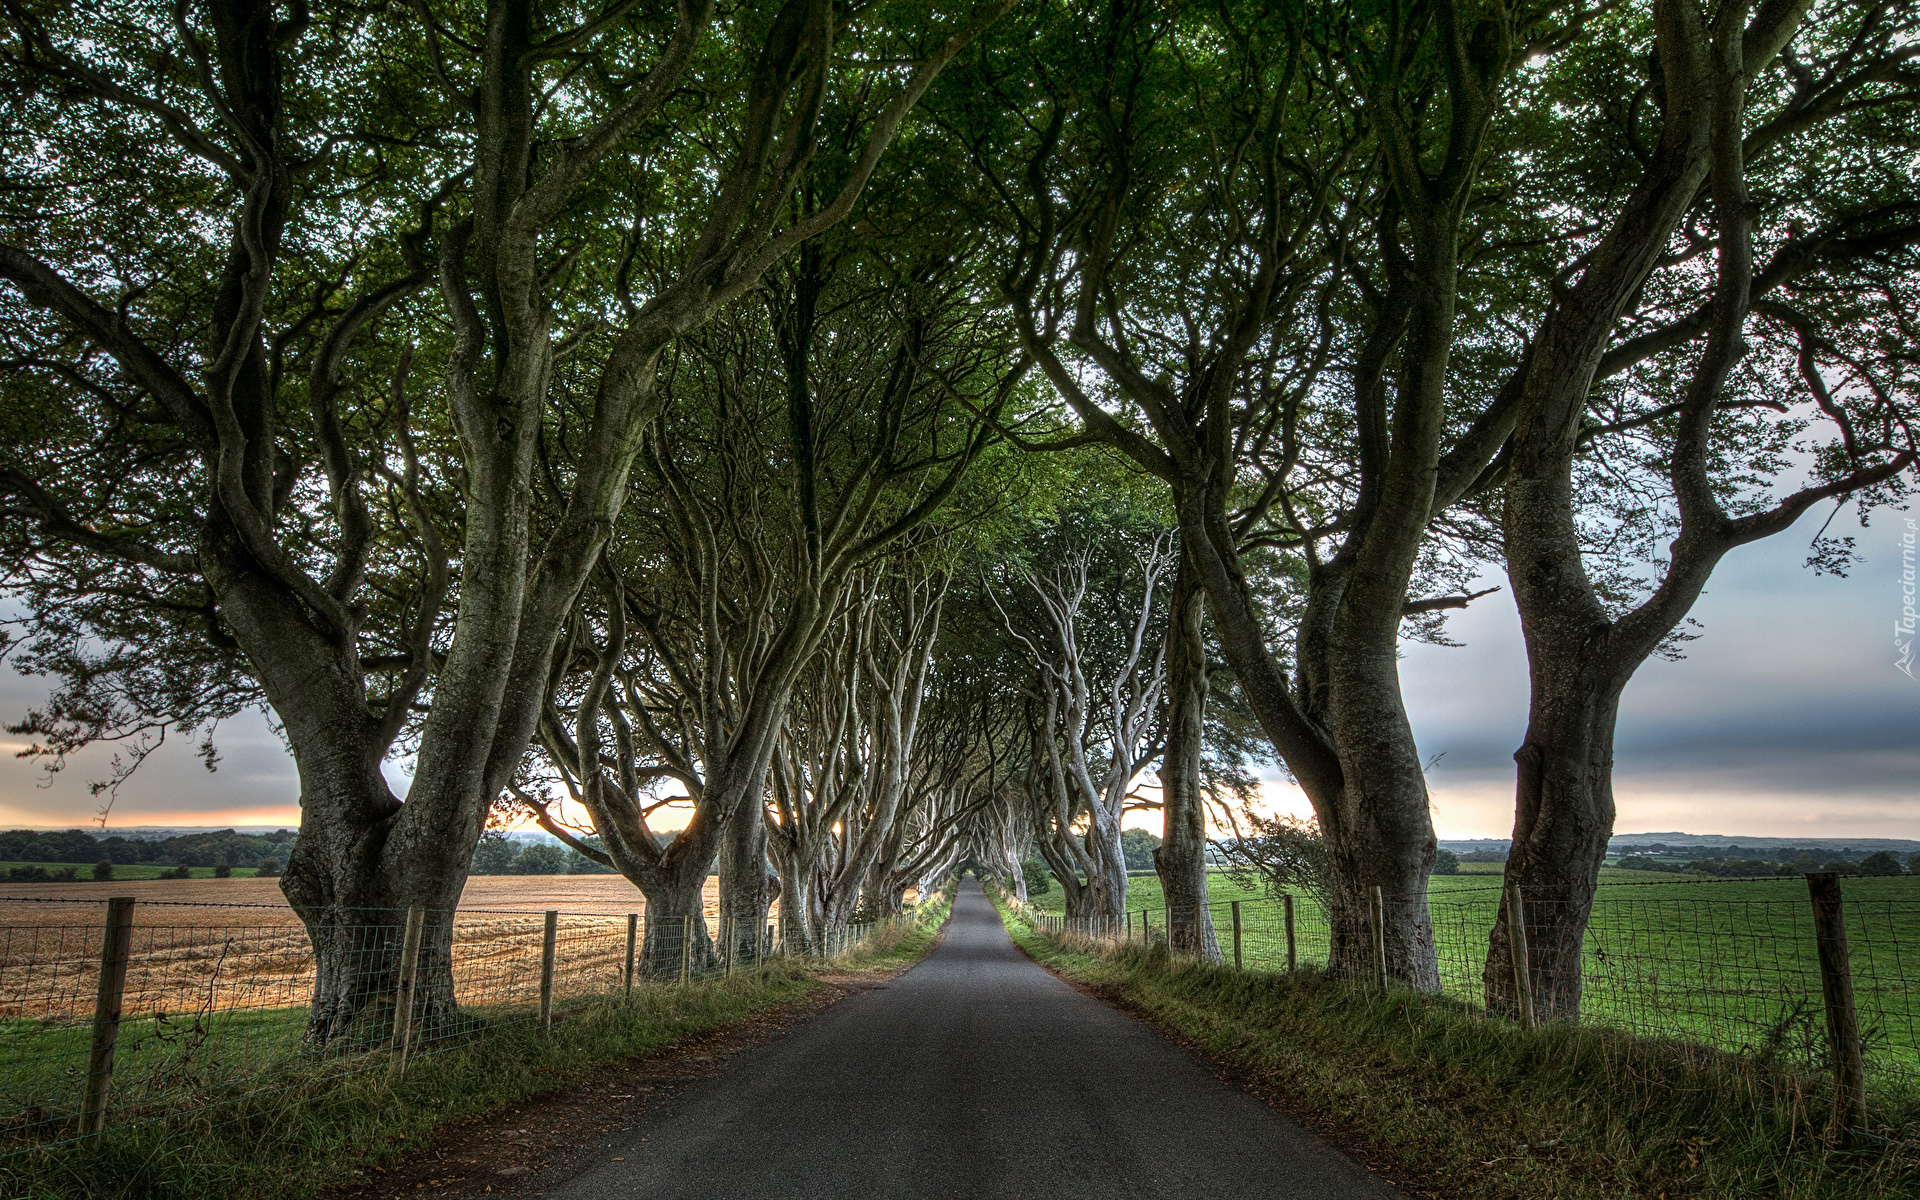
1787,718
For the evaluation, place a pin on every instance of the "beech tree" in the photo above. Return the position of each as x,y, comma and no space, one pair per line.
806,439
1242,268
1751,295
1089,611
979,734
820,770
335,340
1181,858
844,775
222,343
951,795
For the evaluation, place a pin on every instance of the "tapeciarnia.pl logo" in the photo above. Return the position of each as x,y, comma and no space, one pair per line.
1903,629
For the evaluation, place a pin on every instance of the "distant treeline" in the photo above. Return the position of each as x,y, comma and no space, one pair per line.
1879,862
1782,854
498,854
1744,862
188,849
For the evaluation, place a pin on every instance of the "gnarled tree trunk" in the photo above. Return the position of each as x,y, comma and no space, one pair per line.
677,929
1181,857
747,885
1563,816
800,924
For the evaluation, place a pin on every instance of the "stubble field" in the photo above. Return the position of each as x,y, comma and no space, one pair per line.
220,974
233,943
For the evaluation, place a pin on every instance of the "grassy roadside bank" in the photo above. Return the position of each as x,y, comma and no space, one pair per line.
1480,1108
311,1136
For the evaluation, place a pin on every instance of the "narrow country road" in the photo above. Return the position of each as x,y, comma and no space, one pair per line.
975,1074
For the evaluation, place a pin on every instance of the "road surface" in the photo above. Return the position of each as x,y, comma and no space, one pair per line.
976,1074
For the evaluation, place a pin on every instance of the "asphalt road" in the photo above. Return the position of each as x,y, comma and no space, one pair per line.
975,1074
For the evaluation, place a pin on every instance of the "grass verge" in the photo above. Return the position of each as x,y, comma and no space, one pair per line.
1481,1108
309,1135
1727,963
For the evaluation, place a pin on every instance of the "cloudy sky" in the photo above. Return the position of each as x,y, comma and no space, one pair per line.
1787,718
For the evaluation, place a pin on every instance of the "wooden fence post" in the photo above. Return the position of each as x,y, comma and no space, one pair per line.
116,946
548,939
1238,965
633,936
762,942
730,924
1379,937
1286,908
1146,928
403,992
686,949
1517,944
1836,987
1129,924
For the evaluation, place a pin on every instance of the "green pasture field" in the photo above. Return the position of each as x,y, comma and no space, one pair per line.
1143,887
1730,963
1484,1108
83,872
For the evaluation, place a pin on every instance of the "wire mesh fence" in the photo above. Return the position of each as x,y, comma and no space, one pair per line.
114,1013
1733,966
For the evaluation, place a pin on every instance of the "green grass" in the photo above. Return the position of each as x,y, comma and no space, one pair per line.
293,1128
161,1060
1729,963
84,871
1143,887
1481,1108
1607,874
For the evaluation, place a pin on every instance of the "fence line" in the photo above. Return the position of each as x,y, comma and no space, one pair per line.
1777,978
140,1014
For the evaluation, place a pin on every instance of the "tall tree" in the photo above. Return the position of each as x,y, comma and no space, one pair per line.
1196,238
808,438
1090,612
1661,374
551,112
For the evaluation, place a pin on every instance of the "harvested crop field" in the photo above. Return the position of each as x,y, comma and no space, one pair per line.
227,944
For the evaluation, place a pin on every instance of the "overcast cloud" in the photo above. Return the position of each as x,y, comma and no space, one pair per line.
1786,717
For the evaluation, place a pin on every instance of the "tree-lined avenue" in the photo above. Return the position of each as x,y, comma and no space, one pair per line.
975,1074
